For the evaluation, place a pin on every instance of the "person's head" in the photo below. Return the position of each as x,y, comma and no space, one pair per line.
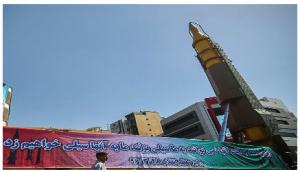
101,156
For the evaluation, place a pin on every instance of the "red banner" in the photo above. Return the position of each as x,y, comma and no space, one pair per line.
49,155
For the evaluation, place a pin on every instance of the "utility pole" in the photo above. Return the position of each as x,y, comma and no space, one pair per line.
222,133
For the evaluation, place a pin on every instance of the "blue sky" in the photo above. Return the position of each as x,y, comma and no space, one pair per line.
79,66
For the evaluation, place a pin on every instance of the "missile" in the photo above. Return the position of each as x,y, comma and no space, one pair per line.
228,86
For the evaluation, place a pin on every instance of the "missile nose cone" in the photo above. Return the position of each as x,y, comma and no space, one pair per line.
193,29
196,31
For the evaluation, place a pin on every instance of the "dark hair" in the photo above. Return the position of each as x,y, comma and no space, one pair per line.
101,154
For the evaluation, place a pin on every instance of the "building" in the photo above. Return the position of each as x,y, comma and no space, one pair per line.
119,127
273,103
97,130
194,121
287,122
145,123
